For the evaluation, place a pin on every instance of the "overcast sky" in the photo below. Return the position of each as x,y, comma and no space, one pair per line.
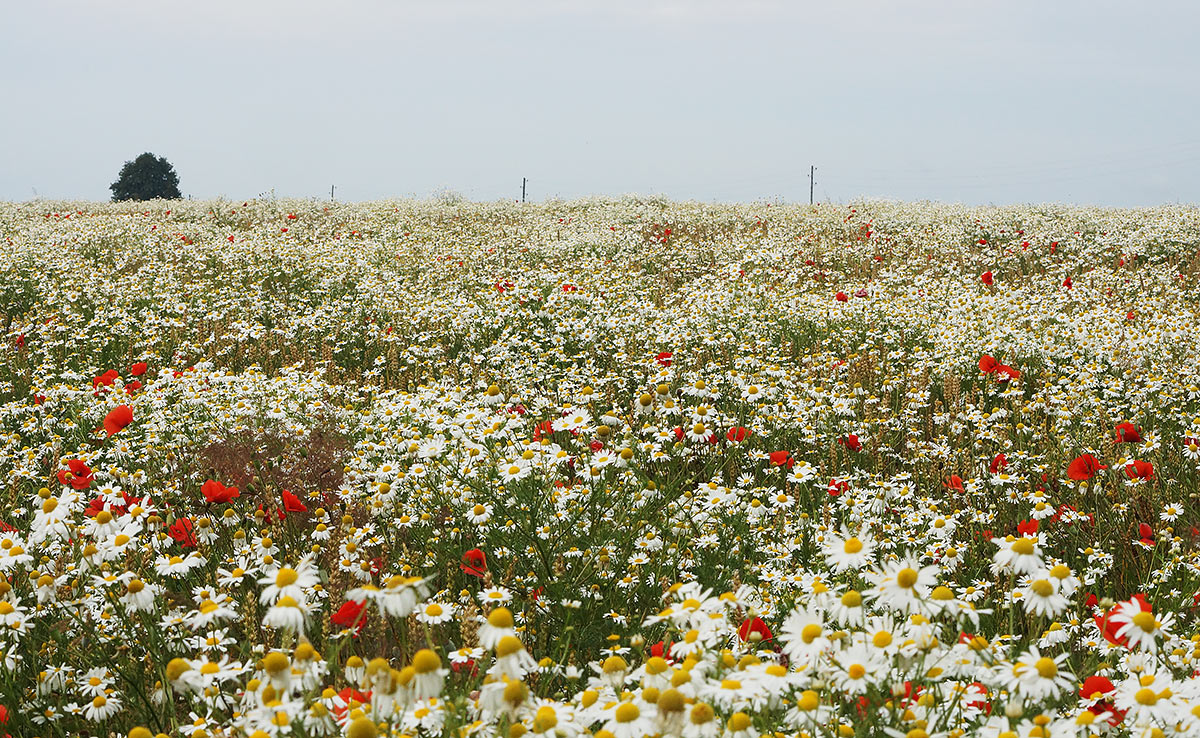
978,102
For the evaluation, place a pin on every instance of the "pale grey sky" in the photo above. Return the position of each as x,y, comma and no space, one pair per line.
1080,101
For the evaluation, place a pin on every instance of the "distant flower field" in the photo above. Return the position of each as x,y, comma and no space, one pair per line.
606,467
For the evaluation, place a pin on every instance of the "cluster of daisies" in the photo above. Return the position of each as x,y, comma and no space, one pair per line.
605,467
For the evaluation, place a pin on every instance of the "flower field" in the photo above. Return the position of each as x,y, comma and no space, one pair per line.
605,467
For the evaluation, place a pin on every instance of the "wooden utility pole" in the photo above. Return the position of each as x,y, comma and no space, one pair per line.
523,181
812,180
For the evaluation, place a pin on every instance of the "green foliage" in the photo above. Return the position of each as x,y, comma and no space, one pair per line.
146,178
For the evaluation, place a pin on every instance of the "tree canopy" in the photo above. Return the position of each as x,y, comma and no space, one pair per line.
146,178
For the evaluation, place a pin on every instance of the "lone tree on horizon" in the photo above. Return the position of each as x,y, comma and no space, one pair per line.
146,178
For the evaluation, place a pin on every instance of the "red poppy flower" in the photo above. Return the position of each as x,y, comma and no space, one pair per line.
954,483
542,429
106,379
841,297
987,364
782,458
216,492
474,562
999,462
861,293
1115,716
77,475
1096,688
182,532
1027,527
1146,533
976,696
664,358
1084,468
138,369
662,650
1068,283
862,705
911,693
737,434
851,442
1109,629
99,503
351,614
119,417
987,278
754,630
342,706
1128,433
1005,373
838,487
596,446
292,503
1140,470
132,387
